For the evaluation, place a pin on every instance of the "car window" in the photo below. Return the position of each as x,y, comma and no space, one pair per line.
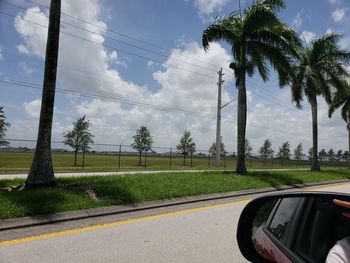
263,214
283,217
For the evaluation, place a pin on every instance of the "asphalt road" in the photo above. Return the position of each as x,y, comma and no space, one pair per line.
192,233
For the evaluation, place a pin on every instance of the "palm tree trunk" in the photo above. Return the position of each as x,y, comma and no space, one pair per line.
241,123
41,171
315,166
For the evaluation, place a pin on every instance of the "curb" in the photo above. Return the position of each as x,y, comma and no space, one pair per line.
23,222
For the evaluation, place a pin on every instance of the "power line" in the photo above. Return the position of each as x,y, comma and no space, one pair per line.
285,103
123,101
114,48
61,66
129,36
114,39
37,86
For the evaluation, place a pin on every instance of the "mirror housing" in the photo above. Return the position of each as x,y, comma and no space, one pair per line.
246,220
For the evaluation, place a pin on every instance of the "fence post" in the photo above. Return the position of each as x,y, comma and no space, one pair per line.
170,155
120,152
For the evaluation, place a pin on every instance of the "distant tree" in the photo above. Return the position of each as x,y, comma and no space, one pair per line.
86,140
345,155
284,151
212,149
186,145
298,152
311,152
79,137
248,149
331,155
339,155
322,154
265,150
142,141
3,126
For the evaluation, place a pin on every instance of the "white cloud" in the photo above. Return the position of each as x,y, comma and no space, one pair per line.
299,19
32,108
208,7
92,62
28,71
179,89
338,15
308,36
345,43
334,2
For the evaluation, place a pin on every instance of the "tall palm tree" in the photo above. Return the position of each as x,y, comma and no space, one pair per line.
257,38
41,171
319,70
342,99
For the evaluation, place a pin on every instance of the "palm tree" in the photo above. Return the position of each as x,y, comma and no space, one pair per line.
342,99
41,171
319,70
257,39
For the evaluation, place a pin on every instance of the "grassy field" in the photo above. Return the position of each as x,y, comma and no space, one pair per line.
113,190
14,162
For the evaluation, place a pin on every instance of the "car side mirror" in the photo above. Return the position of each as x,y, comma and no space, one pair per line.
294,227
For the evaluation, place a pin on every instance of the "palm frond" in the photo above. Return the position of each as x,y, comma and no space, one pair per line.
222,29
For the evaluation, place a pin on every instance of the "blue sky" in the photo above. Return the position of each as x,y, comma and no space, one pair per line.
150,52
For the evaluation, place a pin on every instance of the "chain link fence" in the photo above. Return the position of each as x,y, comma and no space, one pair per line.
113,157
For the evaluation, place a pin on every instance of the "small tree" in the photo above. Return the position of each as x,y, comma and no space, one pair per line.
322,154
248,149
186,145
298,152
79,137
331,155
212,149
311,152
3,126
142,141
265,150
284,151
85,144
339,155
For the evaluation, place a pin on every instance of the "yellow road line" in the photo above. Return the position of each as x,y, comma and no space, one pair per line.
117,223
129,221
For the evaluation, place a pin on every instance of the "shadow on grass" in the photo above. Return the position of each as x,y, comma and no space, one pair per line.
44,202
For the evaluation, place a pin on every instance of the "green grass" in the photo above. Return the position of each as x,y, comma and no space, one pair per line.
126,189
14,162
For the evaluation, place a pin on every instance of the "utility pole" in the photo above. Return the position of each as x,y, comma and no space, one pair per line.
218,122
